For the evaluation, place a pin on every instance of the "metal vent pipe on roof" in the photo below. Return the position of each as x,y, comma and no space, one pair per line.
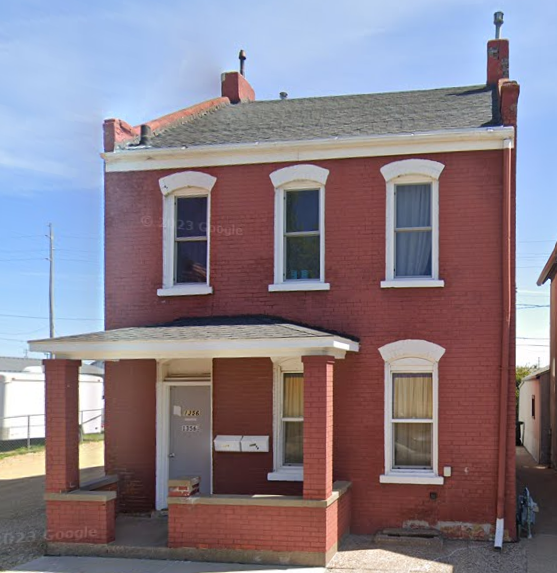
498,21
146,134
242,58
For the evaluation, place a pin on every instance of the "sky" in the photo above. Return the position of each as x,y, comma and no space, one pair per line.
66,66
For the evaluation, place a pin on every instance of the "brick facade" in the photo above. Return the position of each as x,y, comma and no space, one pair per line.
463,317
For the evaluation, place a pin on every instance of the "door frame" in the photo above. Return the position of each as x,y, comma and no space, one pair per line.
163,431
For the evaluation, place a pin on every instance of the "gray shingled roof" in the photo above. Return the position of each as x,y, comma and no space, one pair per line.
17,364
337,116
255,327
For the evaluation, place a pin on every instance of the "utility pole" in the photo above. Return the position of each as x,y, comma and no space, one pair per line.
51,281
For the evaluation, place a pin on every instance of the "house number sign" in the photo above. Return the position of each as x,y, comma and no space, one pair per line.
190,428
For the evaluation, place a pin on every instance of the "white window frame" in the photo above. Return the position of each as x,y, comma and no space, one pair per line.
183,184
282,472
411,172
411,356
297,178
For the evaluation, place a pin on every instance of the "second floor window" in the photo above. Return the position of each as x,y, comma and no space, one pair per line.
299,228
186,233
301,235
191,240
412,223
413,231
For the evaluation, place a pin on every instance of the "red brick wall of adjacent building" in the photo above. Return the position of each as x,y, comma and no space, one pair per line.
464,317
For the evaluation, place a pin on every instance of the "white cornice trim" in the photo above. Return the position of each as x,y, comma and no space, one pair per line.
431,169
294,173
474,139
185,180
411,349
162,349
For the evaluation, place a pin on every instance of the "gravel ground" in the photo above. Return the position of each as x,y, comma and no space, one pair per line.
22,513
359,553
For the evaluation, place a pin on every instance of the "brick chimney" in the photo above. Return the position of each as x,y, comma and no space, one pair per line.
497,54
236,88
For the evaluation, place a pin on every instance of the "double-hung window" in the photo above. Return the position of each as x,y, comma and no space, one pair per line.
299,228
413,229
191,240
411,412
292,419
412,420
412,223
186,233
302,256
288,442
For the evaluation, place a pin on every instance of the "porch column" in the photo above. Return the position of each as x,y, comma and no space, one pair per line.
318,426
62,425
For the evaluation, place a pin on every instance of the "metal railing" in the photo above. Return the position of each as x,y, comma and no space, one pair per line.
18,432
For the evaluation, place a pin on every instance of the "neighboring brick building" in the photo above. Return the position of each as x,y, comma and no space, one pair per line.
380,228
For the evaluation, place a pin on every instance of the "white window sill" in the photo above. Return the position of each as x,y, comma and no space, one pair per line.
290,286
424,478
413,283
185,290
286,474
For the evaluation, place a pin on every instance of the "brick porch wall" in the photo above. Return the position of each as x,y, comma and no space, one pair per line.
297,530
80,521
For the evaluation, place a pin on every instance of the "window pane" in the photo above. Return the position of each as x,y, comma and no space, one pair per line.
302,258
191,261
293,442
413,254
191,217
412,445
413,206
412,396
293,396
302,211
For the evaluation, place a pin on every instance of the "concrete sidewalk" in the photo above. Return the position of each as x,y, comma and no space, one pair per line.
541,550
109,565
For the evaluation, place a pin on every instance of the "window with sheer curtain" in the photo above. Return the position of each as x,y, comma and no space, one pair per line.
293,419
413,231
412,419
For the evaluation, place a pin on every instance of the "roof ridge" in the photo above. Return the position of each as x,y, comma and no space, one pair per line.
483,87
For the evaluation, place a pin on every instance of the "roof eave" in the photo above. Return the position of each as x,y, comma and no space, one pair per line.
477,138
332,345
548,271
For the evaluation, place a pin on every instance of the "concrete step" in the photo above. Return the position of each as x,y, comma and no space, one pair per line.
410,536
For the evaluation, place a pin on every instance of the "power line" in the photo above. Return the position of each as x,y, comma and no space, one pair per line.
46,317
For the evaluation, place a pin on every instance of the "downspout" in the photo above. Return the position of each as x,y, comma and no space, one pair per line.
505,340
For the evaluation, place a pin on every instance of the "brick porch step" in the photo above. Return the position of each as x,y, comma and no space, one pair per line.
410,536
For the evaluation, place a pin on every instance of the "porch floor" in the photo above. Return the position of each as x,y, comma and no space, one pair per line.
148,531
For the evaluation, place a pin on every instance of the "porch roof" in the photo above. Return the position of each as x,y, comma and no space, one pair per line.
204,337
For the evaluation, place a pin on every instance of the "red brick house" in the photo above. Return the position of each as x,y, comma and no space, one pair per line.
309,306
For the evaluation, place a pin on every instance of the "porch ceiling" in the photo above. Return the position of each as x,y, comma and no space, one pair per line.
205,337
